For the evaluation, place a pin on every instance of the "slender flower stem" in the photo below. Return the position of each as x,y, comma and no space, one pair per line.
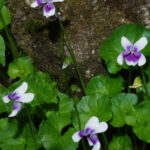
144,146
129,80
31,126
144,83
79,122
68,44
3,77
105,141
12,45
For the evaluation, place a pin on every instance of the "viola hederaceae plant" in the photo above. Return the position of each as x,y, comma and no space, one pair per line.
48,9
18,96
132,53
92,128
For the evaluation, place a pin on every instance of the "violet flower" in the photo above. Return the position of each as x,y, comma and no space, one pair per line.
132,53
18,96
48,9
92,127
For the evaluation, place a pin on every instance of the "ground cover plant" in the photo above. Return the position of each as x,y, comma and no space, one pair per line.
112,113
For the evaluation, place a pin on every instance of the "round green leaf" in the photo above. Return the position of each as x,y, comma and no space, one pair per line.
140,121
121,105
112,47
95,105
20,67
8,138
2,51
120,143
50,134
105,85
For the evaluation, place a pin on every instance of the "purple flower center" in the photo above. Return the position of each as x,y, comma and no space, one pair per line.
131,54
13,96
86,132
48,7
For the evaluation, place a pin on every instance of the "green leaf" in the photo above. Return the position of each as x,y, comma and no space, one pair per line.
105,85
65,103
2,104
121,105
6,16
95,105
2,51
20,67
112,67
2,3
51,136
140,121
13,144
27,134
112,47
9,136
120,143
41,85
59,121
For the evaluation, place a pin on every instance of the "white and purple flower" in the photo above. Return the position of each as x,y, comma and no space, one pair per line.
49,8
66,63
92,127
132,53
18,96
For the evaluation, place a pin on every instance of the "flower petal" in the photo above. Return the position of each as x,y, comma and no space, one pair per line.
142,60
49,10
56,1
26,98
120,59
96,146
90,142
6,99
125,43
131,60
76,137
34,4
102,127
13,113
16,109
65,65
21,89
141,43
92,122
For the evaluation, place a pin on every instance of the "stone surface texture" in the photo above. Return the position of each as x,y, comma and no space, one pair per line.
87,22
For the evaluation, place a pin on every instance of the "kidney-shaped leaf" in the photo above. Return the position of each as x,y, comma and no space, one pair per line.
51,136
20,67
120,143
105,85
121,105
140,121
